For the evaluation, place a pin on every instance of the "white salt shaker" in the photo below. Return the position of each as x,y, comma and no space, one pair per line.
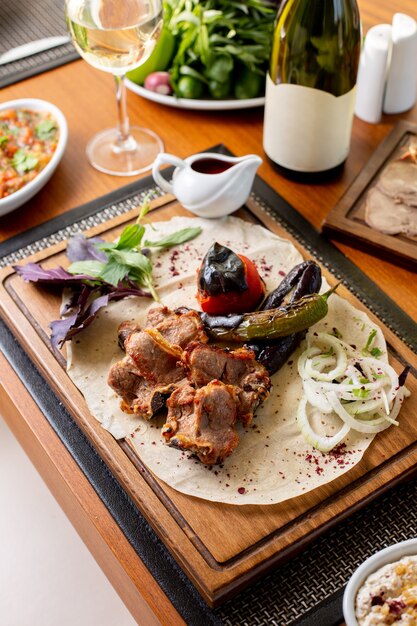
401,85
372,73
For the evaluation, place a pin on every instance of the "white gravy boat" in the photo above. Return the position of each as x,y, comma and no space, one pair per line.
208,184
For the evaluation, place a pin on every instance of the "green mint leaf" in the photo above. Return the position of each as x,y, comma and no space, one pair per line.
130,237
136,260
144,279
114,272
23,162
180,236
144,209
92,268
106,246
46,129
3,140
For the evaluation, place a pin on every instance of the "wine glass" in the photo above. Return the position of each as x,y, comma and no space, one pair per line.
117,36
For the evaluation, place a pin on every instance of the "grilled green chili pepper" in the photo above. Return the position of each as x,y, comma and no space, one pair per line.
302,280
274,323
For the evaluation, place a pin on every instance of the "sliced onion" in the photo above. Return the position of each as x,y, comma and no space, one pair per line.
362,426
320,442
339,354
316,397
336,390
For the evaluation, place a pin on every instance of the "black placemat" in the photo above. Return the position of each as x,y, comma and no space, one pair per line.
29,20
307,591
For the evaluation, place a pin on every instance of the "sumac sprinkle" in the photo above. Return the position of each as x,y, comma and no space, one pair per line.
396,607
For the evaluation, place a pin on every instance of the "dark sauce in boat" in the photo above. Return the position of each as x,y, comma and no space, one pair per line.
211,166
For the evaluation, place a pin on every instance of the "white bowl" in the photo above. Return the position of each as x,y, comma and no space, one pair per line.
378,560
19,197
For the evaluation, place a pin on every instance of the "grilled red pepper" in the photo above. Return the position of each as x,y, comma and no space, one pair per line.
228,282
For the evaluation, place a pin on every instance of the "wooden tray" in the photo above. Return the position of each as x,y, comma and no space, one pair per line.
346,220
222,548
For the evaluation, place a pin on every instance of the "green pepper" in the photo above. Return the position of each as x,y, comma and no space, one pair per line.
219,70
248,84
189,87
158,61
275,323
219,90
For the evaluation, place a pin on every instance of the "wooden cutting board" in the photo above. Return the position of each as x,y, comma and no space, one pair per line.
222,548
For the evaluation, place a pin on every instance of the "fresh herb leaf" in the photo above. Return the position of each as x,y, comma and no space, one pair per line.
85,311
114,272
130,237
92,268
46,130
35,273
360,393
375,352
3,140
181,236
79,248
23,162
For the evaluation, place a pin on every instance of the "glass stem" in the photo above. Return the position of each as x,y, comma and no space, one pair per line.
124,142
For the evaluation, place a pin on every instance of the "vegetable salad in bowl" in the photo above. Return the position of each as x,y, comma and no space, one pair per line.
213,49
33,138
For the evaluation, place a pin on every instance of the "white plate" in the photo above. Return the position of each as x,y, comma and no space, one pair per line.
19,197
197,105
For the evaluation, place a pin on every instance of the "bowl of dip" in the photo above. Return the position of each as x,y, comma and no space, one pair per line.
383,590
33,137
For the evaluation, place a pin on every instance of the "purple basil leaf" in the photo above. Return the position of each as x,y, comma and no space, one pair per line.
35,273
61,329
65,329
69,305
79,248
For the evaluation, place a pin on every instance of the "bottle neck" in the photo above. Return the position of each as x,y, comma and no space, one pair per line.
317,45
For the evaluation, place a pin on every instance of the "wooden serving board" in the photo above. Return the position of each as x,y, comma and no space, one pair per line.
346,220
222,548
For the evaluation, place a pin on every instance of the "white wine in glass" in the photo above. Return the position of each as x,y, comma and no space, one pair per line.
117,36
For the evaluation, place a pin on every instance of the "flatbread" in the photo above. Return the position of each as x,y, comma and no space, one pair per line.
273,462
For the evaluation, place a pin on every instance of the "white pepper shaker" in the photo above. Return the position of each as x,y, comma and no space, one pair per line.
372,73
401,86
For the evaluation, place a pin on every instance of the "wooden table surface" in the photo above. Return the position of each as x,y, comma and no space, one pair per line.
86,96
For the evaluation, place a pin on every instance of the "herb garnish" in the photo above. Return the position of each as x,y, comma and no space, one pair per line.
375,352
46,129
23,162
125,260
102,271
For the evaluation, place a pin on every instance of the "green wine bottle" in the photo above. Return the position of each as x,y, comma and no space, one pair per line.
310,88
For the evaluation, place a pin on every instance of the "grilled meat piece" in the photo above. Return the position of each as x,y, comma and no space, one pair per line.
205,387
202,421
178,328
155,358
124,331
152,368
238,368
138,396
